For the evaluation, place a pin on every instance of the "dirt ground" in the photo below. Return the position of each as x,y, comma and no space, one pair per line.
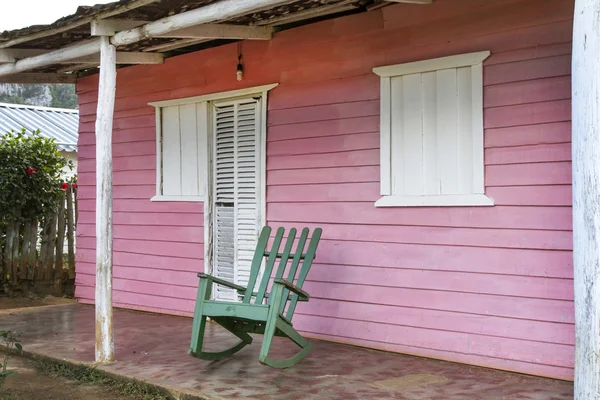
28,384
22,302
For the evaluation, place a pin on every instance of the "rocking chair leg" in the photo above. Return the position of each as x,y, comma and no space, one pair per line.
207,355
199,324
274,323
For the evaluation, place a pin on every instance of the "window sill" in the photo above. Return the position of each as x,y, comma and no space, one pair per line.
178,198
450,200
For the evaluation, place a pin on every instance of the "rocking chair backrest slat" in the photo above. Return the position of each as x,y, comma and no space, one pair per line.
285,256
262,290
261,247
308,259
298,255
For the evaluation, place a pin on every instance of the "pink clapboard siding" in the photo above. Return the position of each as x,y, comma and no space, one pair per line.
489,286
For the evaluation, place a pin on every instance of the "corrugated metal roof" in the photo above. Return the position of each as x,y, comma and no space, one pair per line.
58,123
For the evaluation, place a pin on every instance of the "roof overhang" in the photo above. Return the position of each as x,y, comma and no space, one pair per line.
148,31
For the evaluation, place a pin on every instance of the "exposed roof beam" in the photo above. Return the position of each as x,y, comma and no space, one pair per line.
13,55
411,1
83,21
310,13
123,57
221,31
76,67
211,13
38,78
81,49
108,27
177,44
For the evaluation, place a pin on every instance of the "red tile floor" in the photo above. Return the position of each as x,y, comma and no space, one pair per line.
153,347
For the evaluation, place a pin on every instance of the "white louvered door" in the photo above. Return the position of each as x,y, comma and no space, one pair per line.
236,191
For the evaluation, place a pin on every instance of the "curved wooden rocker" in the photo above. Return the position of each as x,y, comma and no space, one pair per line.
254,315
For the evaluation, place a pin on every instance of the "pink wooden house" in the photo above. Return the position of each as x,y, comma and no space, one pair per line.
430,141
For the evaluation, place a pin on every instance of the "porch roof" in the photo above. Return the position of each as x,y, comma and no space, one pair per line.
75,29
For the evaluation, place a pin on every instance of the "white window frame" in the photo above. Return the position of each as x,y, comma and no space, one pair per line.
388,199
158,105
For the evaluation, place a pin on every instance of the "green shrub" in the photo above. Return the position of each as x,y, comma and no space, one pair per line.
30,175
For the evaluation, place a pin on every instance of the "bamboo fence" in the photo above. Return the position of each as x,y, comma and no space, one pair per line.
41,250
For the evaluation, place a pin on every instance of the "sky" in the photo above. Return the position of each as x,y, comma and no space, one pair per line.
17,14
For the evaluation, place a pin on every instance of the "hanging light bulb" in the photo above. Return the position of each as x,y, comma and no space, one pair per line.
240,71
240,67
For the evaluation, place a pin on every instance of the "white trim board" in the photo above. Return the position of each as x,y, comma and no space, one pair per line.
215,96
450,200
461,60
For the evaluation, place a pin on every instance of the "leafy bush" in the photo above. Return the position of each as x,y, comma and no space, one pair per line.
30,175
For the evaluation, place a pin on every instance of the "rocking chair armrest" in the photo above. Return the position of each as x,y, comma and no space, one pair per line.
302,295
222,282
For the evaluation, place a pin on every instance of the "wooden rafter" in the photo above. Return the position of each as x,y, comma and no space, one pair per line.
221,31
76,67
108,27
214,12
310,13
13,55
123,57
177,44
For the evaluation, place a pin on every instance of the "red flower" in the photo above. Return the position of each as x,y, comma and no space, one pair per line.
31,170
74,185
65,186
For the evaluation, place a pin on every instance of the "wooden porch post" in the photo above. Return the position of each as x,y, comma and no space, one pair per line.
104,121
586,197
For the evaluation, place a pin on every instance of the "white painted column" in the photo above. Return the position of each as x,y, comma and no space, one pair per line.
586,197
104,125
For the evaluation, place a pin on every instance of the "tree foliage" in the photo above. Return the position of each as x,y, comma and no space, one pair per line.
47,95
30,175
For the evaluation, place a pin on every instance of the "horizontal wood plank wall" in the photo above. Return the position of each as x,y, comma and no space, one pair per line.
488,286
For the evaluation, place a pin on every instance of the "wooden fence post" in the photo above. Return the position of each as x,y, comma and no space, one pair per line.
31,256
40,272
25,249
70,234
16,248
49,266
60,242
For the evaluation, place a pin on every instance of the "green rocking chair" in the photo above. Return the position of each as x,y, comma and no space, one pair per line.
272,318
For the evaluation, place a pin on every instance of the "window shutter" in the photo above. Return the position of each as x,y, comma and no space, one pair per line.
171,152
183,140
432,132
236,183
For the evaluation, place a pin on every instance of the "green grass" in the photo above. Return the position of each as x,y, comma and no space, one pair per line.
92,376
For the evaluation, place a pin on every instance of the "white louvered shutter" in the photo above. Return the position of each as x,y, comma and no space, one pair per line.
236,191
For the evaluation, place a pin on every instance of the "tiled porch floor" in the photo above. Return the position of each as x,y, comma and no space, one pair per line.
153,347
